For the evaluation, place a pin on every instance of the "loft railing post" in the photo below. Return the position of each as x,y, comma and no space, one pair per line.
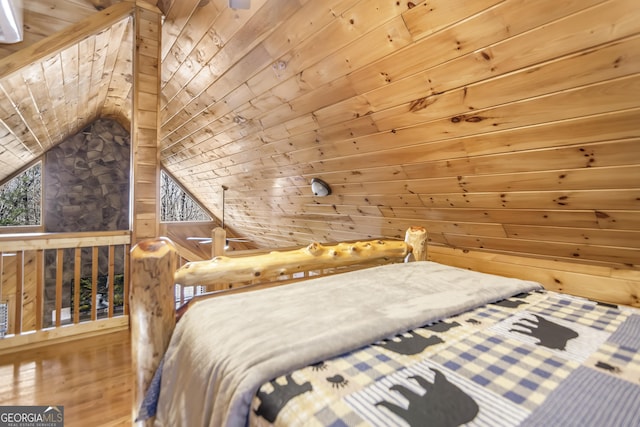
417,238
151,308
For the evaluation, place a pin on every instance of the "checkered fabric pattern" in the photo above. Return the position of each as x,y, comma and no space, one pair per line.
365,365
628,334
617,360
619,355
486,316
582,311
509,368
499,355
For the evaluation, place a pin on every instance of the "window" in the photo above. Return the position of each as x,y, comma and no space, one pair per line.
176,205
20,198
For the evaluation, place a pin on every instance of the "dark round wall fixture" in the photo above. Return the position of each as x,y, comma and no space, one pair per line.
320,188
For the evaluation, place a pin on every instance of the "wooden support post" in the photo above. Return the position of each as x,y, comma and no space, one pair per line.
218,242
145,122
417,238
151,309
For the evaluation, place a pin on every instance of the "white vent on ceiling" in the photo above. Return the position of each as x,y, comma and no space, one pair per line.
10,21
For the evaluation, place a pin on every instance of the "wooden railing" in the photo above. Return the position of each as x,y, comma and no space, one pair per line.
56,285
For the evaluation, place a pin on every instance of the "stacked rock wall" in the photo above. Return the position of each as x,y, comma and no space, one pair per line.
87,180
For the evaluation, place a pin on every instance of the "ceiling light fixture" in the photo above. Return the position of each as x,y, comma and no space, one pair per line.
320,188
10,21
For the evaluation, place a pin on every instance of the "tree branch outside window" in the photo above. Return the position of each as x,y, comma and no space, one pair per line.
21,198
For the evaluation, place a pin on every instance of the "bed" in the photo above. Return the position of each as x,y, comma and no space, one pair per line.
415,344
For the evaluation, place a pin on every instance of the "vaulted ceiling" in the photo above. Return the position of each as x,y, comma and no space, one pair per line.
501,125
52,90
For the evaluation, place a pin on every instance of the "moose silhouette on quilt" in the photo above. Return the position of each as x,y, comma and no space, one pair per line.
272,403
444,404
549,334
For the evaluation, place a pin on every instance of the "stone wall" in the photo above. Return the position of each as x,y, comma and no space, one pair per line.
86,180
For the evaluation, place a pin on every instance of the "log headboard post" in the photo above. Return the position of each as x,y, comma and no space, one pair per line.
417,238
151,310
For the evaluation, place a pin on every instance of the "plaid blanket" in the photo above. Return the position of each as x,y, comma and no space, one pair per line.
538,359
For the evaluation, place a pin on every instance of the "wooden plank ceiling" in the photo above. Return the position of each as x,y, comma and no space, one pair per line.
50,91
509,126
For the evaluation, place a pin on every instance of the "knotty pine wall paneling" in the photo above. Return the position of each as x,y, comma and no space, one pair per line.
145,122
503,126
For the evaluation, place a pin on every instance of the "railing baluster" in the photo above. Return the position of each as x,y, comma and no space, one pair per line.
77,266
125,290
111,282
19,285
7,287
95,259
59,268
39,288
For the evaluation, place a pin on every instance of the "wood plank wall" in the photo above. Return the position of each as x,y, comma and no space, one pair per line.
595,282
145,122
507,126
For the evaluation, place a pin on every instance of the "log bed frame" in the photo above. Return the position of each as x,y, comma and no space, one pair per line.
154,274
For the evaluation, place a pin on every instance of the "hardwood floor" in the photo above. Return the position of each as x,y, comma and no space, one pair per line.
91,378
